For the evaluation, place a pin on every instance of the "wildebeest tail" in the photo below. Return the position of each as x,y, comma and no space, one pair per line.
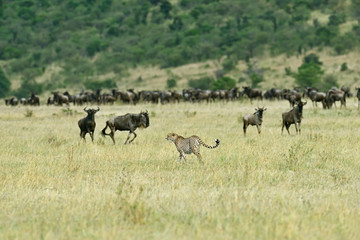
217,141
103,133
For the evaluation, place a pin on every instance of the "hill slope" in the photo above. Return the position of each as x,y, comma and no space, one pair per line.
51,44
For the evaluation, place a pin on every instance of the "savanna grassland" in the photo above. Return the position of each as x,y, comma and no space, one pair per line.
269,186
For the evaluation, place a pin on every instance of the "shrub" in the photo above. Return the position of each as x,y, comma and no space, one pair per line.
344,67
98,84
202,83
310,72
223,83
171,83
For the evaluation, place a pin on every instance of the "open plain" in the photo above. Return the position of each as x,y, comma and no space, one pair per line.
53,185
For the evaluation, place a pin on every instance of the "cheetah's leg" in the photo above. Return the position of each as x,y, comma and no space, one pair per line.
199,157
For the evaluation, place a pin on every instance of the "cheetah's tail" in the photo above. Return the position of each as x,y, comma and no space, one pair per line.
217,141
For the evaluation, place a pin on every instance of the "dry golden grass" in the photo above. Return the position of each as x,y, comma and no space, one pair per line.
268,186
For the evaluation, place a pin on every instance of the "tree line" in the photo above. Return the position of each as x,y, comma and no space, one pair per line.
92,37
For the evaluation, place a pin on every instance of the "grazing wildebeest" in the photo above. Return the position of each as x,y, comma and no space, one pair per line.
87,124
254,119
293,117
165,96
34,100
12,101
316,96
128,122
128,96
252,93
292,96
333,95
59,98
346,90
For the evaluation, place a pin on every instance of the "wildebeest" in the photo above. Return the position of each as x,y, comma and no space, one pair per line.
333,95
87,124
59,98
292,96
346,90
316,96
12,101
128,122
293,117
252,93
34,100
254,119
358,97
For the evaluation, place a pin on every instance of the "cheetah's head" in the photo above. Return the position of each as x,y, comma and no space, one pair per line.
171,137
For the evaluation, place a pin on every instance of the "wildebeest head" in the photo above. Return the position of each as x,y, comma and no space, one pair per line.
144,119
91,112
260,111
300,106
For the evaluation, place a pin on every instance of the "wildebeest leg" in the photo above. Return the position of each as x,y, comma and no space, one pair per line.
133,137
82,135
296,128
282,127
244,128
128,137
258,128
287,125
299,128
92,135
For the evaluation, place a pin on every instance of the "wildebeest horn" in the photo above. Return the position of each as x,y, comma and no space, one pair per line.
98,109
85,109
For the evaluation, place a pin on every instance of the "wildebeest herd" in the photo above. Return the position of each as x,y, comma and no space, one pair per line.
130,96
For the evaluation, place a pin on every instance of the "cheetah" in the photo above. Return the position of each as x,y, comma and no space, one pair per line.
189,145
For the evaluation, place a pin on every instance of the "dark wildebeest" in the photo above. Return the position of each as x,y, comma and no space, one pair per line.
252,93
346,90
34,100
293,117
128,122
292,96
316,96
87,124
12,101
165,96
59,98
358,97
254,119
333,95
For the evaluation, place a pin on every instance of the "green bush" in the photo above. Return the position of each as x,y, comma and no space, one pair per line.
201,83
98,84
223,83
310,72
344,67
171,83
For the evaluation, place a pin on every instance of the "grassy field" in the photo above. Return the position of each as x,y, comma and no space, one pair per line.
268,186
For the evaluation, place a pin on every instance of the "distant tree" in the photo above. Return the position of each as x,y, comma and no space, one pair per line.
344,67
223,83
4,84
310,72
177,24
165,8
171,83
202,83
228,64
